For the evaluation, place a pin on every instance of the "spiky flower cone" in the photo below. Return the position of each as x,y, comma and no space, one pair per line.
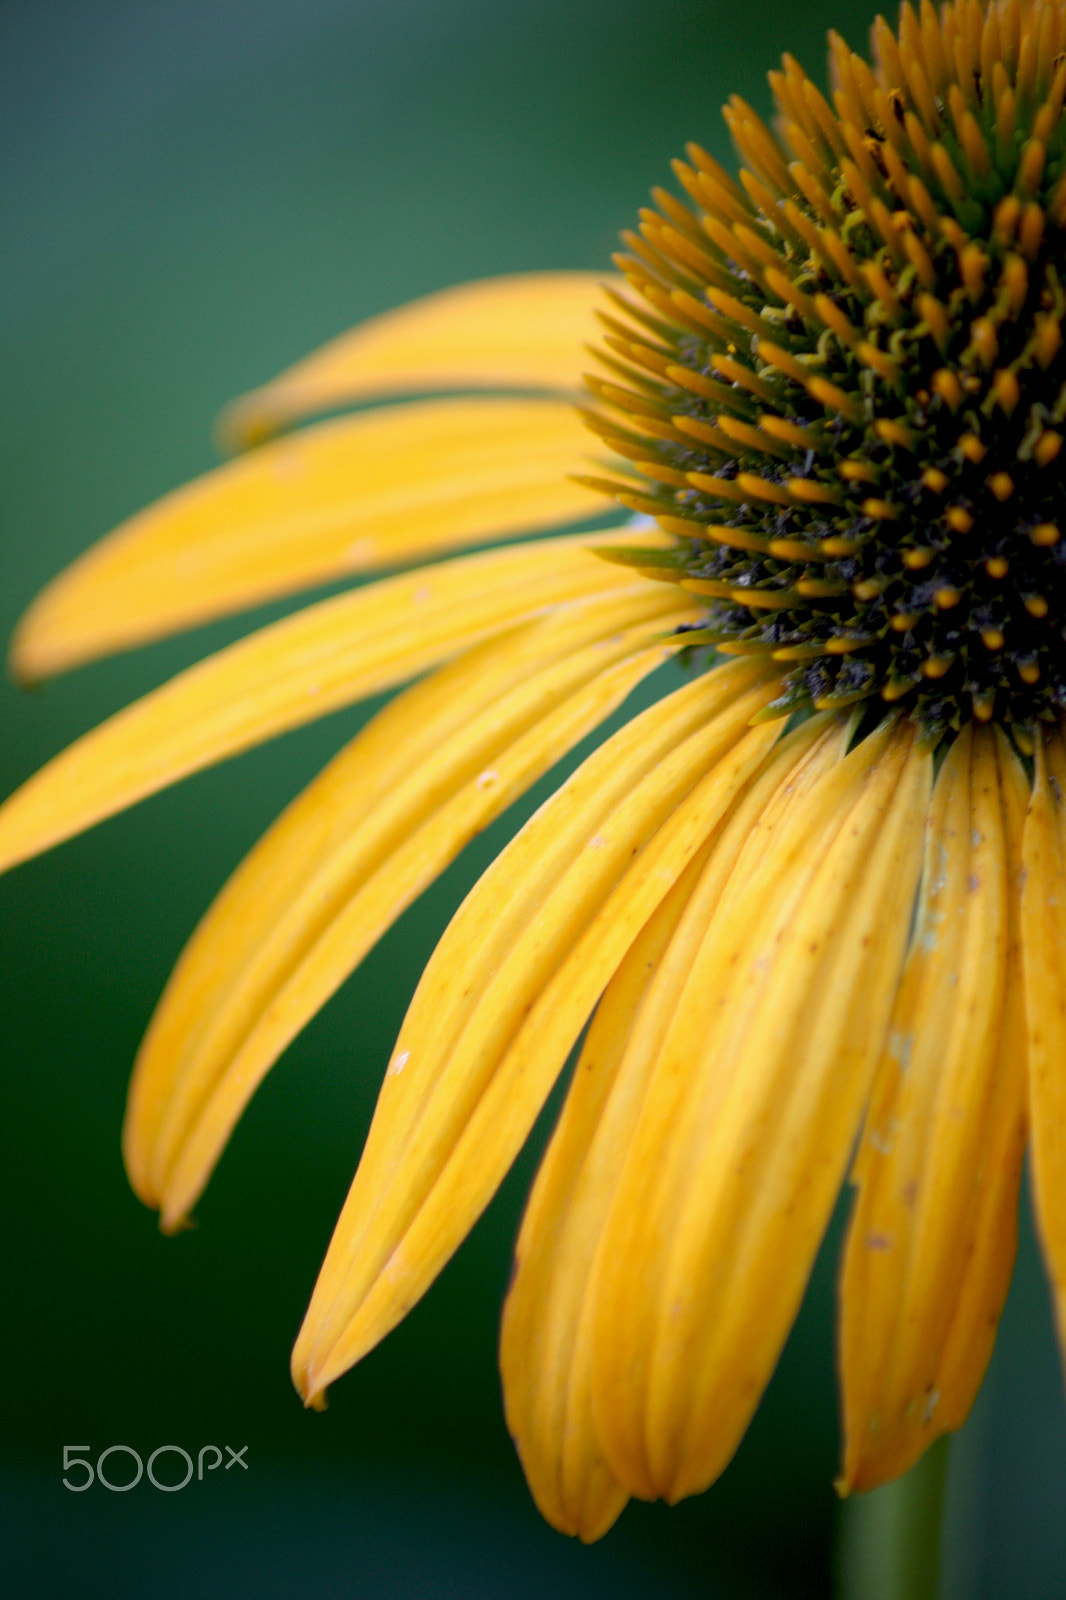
845,390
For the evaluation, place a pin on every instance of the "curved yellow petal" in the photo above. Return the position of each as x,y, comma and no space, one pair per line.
931,1241
358,846
799,762
326,656
310,832
744,1135
545,1376
1044,966
545,1343
506,993
525,331
375,490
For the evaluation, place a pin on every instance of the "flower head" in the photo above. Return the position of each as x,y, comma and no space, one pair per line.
813,901
844,390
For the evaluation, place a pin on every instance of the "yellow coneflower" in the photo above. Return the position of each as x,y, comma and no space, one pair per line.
814,900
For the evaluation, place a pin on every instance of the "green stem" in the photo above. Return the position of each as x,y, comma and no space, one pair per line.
889,1539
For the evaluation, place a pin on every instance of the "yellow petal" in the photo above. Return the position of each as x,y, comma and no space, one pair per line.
799,763
310,832
542,1360
1044,966
292,672
508,991
522,332
374,490
545,1344
358,846
744,1136
931,1242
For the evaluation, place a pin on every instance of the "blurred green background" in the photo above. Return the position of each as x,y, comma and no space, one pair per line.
194,195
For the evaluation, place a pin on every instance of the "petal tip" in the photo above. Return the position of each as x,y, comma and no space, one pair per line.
308,1385
137,1160
245,422
28,660
175,1222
